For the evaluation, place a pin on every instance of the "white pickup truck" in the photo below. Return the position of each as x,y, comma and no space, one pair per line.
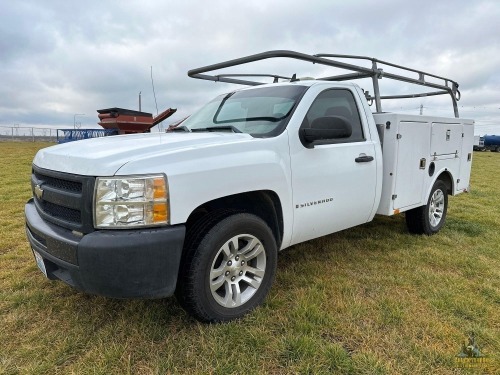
202,210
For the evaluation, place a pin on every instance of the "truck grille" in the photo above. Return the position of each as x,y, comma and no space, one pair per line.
63,199
57,183
60,212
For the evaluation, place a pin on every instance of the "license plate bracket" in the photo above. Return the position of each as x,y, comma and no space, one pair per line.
40,263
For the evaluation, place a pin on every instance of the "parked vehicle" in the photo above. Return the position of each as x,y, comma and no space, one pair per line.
203,210
487,143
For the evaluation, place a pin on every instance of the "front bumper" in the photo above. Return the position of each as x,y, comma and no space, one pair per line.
139,263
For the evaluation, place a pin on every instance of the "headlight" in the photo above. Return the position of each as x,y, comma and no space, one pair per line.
135,201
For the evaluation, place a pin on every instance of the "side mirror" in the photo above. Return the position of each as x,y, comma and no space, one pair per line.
328,127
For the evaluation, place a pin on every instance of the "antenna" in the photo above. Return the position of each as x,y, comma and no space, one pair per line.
154,94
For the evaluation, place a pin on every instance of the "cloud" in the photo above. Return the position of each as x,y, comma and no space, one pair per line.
60,58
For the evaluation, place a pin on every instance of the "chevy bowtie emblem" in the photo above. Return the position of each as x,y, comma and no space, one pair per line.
38,191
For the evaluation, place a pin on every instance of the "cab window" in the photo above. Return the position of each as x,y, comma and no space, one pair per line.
336,102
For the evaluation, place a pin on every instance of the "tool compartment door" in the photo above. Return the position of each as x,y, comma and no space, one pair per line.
446,139
413,146
465,157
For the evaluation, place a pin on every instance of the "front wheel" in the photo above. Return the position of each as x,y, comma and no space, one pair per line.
228,270
430,218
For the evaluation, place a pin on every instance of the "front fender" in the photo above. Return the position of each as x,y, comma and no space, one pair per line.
267,167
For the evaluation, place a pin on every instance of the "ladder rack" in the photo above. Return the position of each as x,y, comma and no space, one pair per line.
446,85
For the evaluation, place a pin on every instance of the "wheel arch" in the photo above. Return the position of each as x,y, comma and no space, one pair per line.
262,203
447,179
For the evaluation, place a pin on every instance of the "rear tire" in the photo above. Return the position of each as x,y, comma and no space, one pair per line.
227,269
430,218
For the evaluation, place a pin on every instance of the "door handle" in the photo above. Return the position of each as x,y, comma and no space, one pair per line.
363,159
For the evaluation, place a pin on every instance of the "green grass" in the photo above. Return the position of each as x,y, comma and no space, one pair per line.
369,300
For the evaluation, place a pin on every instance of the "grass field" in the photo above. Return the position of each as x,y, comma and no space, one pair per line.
369,300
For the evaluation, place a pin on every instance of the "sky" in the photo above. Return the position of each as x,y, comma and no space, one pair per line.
61,61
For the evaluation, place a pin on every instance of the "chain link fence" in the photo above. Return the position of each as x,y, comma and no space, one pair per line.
33,134
30,134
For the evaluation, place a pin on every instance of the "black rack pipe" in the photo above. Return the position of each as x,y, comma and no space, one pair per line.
325,59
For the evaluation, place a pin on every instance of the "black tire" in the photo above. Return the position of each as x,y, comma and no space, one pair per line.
420,220
242,273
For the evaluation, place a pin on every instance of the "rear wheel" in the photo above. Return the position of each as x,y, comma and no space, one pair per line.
430,218
228,270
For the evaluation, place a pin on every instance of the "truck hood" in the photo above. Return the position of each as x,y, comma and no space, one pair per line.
105,156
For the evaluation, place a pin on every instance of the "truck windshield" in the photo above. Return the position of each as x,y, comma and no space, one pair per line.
261,111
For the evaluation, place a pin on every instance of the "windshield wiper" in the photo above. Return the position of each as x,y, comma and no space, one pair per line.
179,128
218,128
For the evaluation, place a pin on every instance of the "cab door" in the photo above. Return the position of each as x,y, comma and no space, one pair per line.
333,180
